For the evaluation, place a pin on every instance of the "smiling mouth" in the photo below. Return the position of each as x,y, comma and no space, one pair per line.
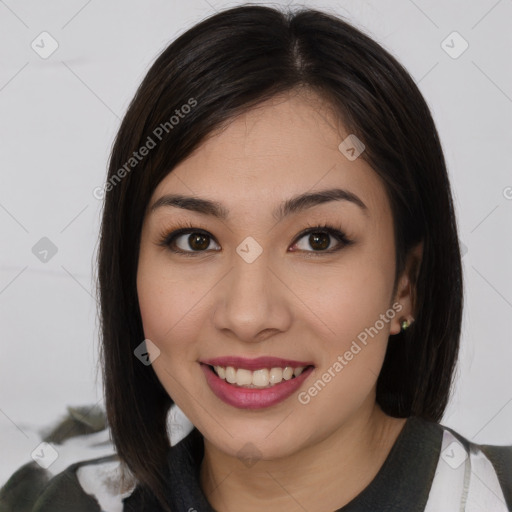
258,379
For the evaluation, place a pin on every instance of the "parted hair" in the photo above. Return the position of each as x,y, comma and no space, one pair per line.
224,66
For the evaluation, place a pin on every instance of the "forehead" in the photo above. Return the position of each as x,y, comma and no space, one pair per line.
284,147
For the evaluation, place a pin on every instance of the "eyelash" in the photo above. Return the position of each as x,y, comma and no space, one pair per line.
168,237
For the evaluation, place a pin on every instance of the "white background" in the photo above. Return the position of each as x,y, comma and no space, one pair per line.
58,119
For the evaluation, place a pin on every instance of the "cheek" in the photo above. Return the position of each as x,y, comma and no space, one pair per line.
163,309
356,312
353,297
353,351
171,305
168,321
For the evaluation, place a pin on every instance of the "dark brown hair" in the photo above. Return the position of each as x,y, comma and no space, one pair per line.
228,64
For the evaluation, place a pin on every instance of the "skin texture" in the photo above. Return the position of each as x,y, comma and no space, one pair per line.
302,304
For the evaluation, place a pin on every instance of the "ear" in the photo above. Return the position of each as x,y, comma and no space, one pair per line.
406,289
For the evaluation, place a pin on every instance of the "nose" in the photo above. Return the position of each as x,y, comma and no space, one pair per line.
252,304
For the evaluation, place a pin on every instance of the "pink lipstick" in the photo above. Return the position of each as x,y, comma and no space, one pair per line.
254,398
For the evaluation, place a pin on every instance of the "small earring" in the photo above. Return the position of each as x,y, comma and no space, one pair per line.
404,324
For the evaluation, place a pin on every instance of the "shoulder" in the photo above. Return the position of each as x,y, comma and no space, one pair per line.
84,472
65,489
481,473
83,484
499,455
494,458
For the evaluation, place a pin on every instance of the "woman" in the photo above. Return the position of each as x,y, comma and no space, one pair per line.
279,258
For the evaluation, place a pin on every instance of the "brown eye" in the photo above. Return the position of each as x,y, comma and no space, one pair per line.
193,241
198,241
319,239
188,241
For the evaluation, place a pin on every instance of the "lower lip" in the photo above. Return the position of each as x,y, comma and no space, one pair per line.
252,398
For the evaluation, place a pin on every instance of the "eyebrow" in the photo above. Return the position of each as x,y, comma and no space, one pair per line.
295,204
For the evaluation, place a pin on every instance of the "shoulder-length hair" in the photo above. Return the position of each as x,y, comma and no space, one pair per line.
220,68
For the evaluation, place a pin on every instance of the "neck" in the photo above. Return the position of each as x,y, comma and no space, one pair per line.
341,465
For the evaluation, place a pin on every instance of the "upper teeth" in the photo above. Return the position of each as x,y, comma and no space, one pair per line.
258,378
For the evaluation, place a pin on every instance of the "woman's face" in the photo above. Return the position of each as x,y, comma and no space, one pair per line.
250,285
